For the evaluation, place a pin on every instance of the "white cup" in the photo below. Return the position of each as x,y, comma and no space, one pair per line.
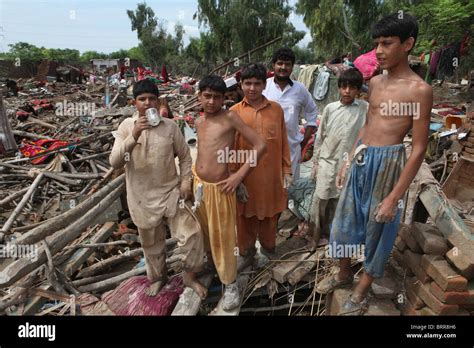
153,117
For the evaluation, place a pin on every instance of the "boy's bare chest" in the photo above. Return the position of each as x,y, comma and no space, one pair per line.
212,132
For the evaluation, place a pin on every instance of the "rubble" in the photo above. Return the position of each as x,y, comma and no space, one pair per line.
60,195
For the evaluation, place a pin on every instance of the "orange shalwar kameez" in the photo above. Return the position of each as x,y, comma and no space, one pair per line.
258,217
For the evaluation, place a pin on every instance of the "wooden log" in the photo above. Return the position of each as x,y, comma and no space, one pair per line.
299,272
69,216
111,282
246,54
98,245
95,279
57,241
84,176
445,216
30,135
106,177
281,271
61,178
21,205
108,263
13,196
85,158
80,256
7,140
41,122
189,301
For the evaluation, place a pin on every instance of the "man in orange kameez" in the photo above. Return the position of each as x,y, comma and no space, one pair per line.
267,183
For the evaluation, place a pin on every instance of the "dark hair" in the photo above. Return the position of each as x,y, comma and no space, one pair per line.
351,77
399,24
284,54
256,70
145,86
212,82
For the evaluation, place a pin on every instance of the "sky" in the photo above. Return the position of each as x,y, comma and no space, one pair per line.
93,25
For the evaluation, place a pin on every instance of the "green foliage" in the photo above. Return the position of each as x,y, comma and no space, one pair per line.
239,26
26,52
444,21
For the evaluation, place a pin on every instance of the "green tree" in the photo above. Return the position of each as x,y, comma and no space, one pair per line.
240,25
341,26
63,56
143,20
88,55
26,52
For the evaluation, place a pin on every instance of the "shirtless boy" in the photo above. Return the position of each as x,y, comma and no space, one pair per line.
369,211
214,186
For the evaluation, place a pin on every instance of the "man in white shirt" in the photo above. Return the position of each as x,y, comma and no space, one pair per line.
295,100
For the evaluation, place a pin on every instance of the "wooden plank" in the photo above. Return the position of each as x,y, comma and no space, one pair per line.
56,242
242,281
189,301
65,219
108,263
112,282
80,256
305,267
445,217
7,140
281,271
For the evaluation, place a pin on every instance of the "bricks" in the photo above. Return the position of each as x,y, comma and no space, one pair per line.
407,237
413,261
400,259
411,289
384,288
423,291
400,244
429,238
458,258
452,297
438,269
409,310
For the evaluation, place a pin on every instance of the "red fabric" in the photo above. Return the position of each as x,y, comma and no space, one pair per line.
367,64
33,148
129,298
164,74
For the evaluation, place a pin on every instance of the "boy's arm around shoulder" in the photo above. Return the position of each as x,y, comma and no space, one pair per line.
251,136
123,144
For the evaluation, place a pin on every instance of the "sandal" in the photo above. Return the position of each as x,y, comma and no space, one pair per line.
351,307
330,283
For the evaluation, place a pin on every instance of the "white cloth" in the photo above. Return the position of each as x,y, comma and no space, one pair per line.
340,124
295,101
321,85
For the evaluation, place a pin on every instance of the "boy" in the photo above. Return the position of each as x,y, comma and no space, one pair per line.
267,184
215,186
341,121
369,209
154,188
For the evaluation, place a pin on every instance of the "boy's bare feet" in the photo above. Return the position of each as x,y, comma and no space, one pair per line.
190,279
155,288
